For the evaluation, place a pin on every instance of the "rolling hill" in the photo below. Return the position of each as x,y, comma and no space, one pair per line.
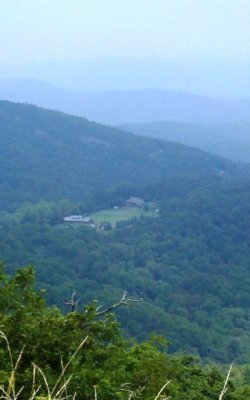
49,155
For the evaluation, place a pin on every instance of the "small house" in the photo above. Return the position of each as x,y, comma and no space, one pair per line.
135,202
79,218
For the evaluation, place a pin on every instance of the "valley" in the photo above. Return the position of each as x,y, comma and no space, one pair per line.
190,264
125,200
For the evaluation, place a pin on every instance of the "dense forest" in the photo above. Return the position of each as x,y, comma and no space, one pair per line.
189,263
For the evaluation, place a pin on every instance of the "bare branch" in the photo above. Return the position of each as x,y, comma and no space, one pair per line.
136,394
72,302
161,390
225,387
95,391
124,301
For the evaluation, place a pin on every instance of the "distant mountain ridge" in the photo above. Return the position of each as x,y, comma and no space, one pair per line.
127,106
41,94
209,76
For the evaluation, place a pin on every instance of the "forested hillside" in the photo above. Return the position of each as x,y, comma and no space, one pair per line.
124,200
190,264
50,155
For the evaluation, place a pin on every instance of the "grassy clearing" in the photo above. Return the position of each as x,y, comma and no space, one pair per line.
115,215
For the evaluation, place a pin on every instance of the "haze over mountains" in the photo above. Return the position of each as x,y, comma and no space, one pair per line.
118,107
212,124
204,75
229,140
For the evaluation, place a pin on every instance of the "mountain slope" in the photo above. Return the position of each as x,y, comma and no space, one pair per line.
50,155
230,140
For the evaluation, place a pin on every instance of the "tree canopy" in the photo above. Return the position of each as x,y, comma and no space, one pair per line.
105,361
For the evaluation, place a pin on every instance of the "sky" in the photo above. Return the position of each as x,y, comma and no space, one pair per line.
50,30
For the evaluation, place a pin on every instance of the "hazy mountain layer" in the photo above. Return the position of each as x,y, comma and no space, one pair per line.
127,106
204,75
230,140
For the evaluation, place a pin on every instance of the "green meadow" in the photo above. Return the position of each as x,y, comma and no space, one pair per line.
113,215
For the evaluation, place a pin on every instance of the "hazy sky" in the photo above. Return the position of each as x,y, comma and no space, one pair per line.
47,30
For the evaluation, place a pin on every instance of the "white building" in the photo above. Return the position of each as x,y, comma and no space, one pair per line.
77,218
